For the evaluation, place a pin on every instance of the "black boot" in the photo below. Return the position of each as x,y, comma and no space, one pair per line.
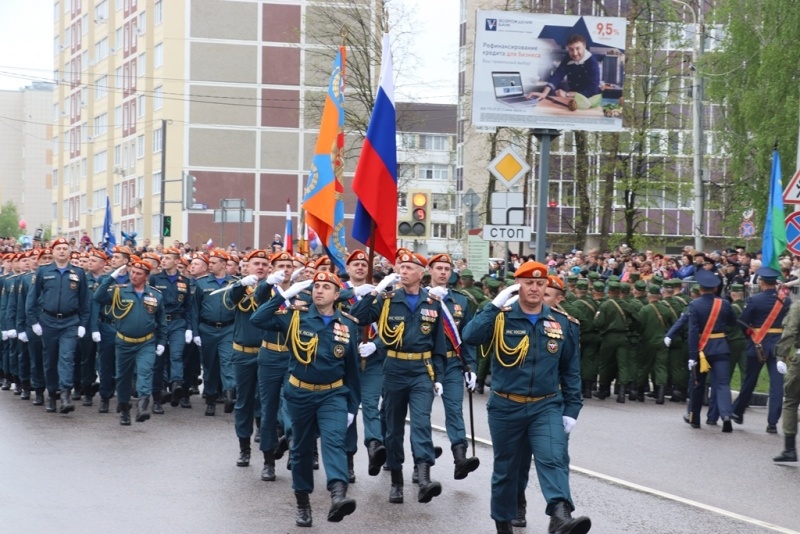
659,394
103,405
315,464
504,527
51,403
76,394
283,446
38,399
415,473
377,457
789,453
602,392
303,517
640,393
66,405
244,452
396,493
621,393
177,393
6,384
257,434
427,488
351,470
268,471
124,414
677,395
158,409
340,504
230,401
522,505
211,406
632,392
185,402
142,413
480,386
587,389
464,465
561,521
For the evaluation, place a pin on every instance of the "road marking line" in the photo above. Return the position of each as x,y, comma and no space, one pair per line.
657,493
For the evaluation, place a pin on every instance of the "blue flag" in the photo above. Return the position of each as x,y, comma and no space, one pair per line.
774,243
109,241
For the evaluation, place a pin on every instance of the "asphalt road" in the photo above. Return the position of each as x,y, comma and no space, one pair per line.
637,468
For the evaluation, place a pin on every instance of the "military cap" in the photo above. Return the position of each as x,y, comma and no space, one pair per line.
453,278
151,256
121,249
134,257
98,254
45,252
201,257
555,282
257,253
184,262
653,289
299,258
593,275
324,276
218,253
31,253
625,287
613,285
633,277
357,255
141,264
466,273
442,258
582,283
613,278
640,285
234,258
59,241
657,280
531,269
412,257
402,250
319,262
281,256
599,287
572,278
707,279
172,250
695,289
737,287
767,274
491,283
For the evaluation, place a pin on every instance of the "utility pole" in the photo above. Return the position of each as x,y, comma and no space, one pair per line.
163,202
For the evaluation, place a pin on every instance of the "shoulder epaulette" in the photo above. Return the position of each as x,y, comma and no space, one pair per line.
299,307
568,316
154,288
201,277
344,314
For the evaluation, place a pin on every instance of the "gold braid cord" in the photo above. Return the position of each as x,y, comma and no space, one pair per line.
390,336
520,351
117,304
248,303
308,347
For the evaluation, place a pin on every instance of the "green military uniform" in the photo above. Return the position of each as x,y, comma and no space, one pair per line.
612,320
634,353
640,286
584,308
678,373
569,293
737,341
476,296
654,321
786,352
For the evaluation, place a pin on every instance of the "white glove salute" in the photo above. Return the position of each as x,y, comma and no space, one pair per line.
12,334
296,289
96,337
159,350
276,278
23,337
512,300
364,289
37,329
471,379
437,389
692,363
386,282
350,418
295,275
366,349
249,280
781,367
198,341
438,292
569,423
188,337
504,295
118,272
81,332
667,341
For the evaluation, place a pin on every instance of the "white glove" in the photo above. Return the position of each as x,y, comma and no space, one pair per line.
5,335
81,332
781,366
37,329
276,278
504,295
438,292
667,341
159,350
118,272
197,341
12,334
512,300
364,289
437,389
96,337
366,349
471,379
296,289
569,423
295,275
386,282
249,280
692,363
188,337
350,418
23,337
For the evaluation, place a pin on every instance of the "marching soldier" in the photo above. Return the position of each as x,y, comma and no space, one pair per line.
57,310
612,321
141,332
736,339
787,350
43,256
653,324
322,387
27,368
633,352
8,305
585,308
410,327
215,330
544,410
175,291
96,261
763,314
678,375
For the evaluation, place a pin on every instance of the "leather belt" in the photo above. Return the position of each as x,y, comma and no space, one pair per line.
315,387
127,339
718,335
274,346
105,320
246,350
61,315
522,398
217,325
452,354
408,355
770,330
173,316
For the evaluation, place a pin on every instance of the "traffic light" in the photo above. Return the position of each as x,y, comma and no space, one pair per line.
189,191
418,223
167,229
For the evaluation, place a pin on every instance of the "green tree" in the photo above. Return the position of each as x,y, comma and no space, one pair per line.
9,220
753,74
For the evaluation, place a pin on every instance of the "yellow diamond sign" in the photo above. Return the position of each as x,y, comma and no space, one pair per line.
508,167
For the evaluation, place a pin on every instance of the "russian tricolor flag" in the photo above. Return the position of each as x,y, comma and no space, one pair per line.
375,181
287,238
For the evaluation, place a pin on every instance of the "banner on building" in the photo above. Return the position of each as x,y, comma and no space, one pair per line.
534,70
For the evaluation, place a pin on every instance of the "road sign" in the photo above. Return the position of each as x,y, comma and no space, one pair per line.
508,167
793,232
470,199
791,195
747,230
508,208
506,232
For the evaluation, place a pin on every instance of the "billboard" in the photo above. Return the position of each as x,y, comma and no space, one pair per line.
534,70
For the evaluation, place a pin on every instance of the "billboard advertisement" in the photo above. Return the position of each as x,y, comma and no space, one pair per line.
534,70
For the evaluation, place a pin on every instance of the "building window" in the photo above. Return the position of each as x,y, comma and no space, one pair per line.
158,12
140,147
117,156
158,97
156,224
434,142
402,199
101,11
54,211
433,172
100,124
56,11
55,177
140,106
439,230
141,65
101,49
83,203
157,183
441,201
117,116
117,194
83,168
100,162
157,140
85,24
406,140
141,23
140,187
158,55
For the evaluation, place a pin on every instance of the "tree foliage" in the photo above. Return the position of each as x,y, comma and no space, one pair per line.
9,220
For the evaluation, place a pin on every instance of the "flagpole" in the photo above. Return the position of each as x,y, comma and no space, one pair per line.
370,262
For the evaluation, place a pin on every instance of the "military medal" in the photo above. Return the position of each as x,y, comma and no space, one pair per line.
552,346
425,328
338,350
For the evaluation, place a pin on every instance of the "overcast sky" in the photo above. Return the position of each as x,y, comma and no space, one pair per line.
26,46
